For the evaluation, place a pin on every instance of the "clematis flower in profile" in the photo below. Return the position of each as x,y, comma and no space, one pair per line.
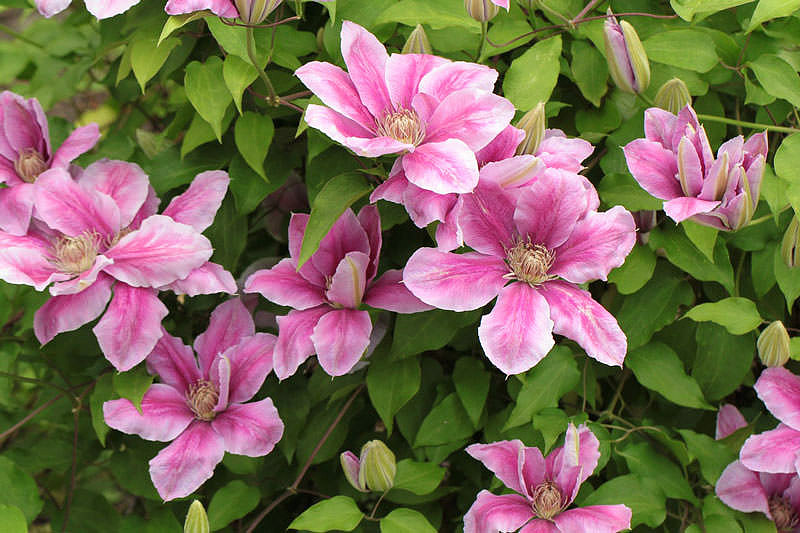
99,234
548,241
545,487
25,153
327,294
433,112
674,162
199,403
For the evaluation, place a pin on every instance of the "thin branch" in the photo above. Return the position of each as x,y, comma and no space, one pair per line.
29,416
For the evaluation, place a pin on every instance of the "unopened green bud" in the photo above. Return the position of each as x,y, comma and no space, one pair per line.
790,247
627,60
481,10
673,96
196,519
418,42
255,11
773,345
533,123
378,467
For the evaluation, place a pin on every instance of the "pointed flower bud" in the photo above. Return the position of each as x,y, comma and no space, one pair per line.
418,42
790,247
673,96
627,60
773,345
196,519
533,123
378,466
255,11
351,467
481,10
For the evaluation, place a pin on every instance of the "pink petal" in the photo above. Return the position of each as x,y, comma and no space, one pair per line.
125,182
442,167
164,416
16,206
581,448
470,115
595,518
71,311
349,281
209,278
131,326
392,189
774,451
230,322
180,468
448,234
220,375
390,293
334,87
21,125
424,206
404,73
557,151
517,334
198,205
148,209
539,526
340,339
376,146
455,282
779,389
221,8
505,459
159,252
173,362
339,127
534,469
599,244
659,126
351,467
491,514
48,8
729,419
250,362
679,209
83,280
80,141
366,60
346,235
297,228
103,9
284,286
741,489
512,172
452,77
294,344
654,167
250,429
370,219
27,266
504,146
578,317
486,218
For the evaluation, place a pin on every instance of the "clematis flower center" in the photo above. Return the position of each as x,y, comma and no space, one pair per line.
403,125
529,262
74,255
29,165
203,396
547,500
784,515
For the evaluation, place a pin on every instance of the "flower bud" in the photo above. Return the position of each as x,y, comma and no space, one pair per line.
673,96
255,11
418,42
533,123
790,247
378,466
645,221
773,345
352,467
196,519
627,60
481,10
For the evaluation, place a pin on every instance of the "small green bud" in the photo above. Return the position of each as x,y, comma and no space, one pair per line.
196,519
790,247
418,42
378,466
481,10
673,96
773,345
533,123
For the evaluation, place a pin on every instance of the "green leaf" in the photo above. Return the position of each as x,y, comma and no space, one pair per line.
712,455
253,135
686,9
19,489
228,234
132,385
420,332
787,278
231,38
644,460
635,272
738,315
590,70
472,386
432,14
335,197
550,422
532,76
771,9
670,47
147,58
447,422
777,77
101,393
207,92
406,521
787,159
622,189
248,188
337,513
657,367
703,237
238,75
200,132
12,520
643,495
178,21
231,502
722,360
391,384
416,477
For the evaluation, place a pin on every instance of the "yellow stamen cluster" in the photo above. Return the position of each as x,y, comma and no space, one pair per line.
529,262
783,513
74,255
403,125
29,165
547,500
203,397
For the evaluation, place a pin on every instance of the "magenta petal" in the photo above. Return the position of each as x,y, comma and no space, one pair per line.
729,419
539,526
164,416
250,362
366,60
334,87
349,281
16,206
125,182
159,252
451,77
250,429
679,209
209,278
424,206
340,339
504,146
578,317
492,514
403,75
518,333
741,489
221,8
442,167
455,282
595,518
294,344
370,219
779,389
505,459
80,141
390,293
470,115
284,286
773,451
654,167
71,311
230,322
198,205
346,235
180,468
486,218
174,362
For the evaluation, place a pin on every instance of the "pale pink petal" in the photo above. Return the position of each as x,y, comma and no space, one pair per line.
470,115
349,281
250,429
505,459
392,189
539,526
334,87
198,205
512,172
773,451
493,514
159,252
103,9
220,375
16,206
335,125
779,389
346,235
80,141
451,77
558,151
221,8
250,362
22,125
424,206
48,8
148,209
534,469
209,278
581,448
455,282
125,182
284,286
366,59
595,518
729,419
294,344
27,266
448,234
351,467
679,209
741,489
180,468
403,75
81,281
173,362
71,311
390,293
340,338
442,167
518,333
659,126
654,167
578,317
504,146
230,322
486,218
165,414
376,146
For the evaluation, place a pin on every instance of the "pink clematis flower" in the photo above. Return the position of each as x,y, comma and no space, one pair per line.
544,486
199,403
327,294
99,232
551,239
776,451
433,112
675,163
25,153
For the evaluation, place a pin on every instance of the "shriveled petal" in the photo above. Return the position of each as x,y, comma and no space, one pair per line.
493,514
250,363
486,218
452,77
48,8
366,59
595,518
455,282
198,205
505,459
250,429
131,326
774,451
654,167
470,115
442,167
294,344
173,362
180,468
741,489
209,278
125,182
578,317
340,339
284,286
71,311
230,322
679,209
103,9
222,8
349,281
80,141
164,416
518,333
404,73
334,87
159,252
779,389
16,206
390,293
729,419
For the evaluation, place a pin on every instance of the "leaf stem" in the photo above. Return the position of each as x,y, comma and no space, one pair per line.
16,377
272,97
